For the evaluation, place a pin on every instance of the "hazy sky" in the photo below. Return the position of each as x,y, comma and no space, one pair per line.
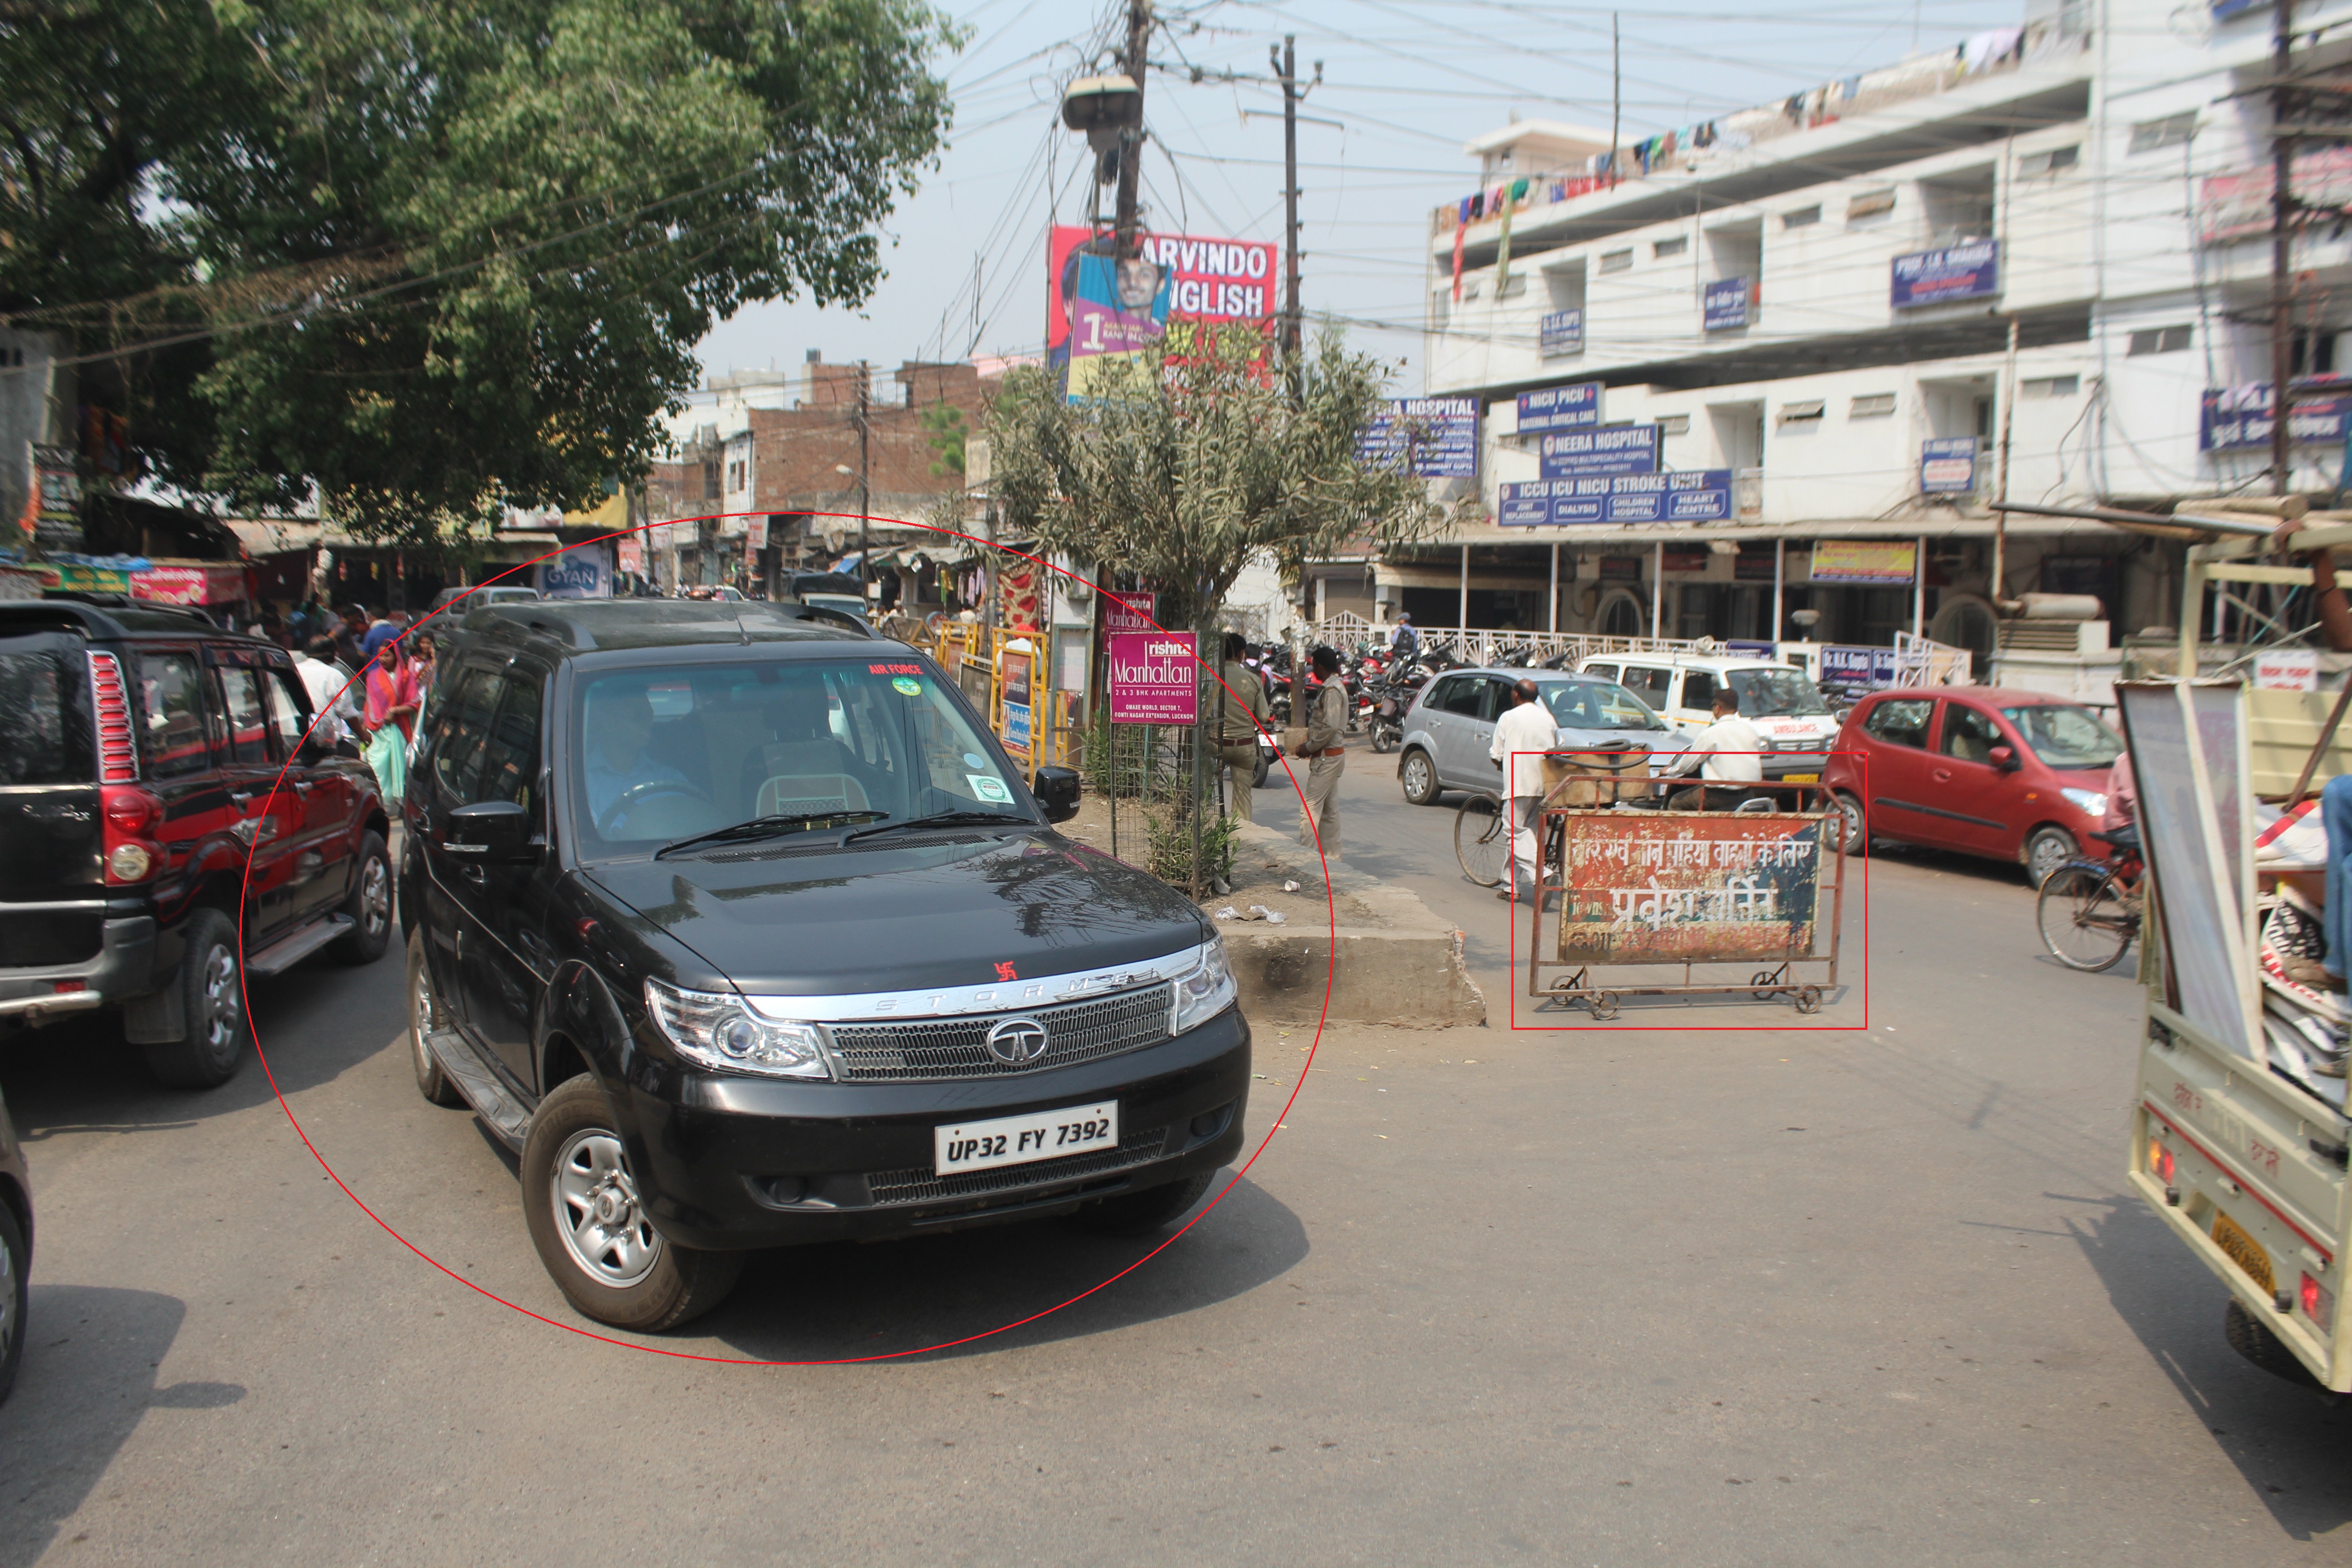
1410,80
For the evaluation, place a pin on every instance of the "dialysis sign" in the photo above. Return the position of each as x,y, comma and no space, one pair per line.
1153,677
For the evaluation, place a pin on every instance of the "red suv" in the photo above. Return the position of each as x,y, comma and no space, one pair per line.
2017,775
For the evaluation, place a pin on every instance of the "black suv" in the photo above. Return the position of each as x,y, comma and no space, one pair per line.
737,923
146,757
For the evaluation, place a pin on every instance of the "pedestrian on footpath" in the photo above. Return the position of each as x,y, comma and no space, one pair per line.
1327,721
1727,752
1240,710
1521,737
329,685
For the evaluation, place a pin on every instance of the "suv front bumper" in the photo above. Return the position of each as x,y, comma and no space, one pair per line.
731,1163
124,967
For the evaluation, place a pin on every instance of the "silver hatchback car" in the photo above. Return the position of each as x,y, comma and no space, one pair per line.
1452,722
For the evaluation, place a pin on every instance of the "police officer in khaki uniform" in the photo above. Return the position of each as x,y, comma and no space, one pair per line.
1240,700
1326,722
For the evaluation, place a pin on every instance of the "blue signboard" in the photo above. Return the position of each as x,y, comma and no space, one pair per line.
1852,668
1969,272
1947,467
1608,449
1441,432
1723,306
1560,408
2237,419
1561,333
1701,496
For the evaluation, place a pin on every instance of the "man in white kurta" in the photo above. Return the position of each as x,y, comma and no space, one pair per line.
1521,737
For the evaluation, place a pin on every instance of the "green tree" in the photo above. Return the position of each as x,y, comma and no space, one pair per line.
426,258
945,430
1185,469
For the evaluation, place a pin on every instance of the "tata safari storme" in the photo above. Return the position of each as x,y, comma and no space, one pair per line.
739,927
167,830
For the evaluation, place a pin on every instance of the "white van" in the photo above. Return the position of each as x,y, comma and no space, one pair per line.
1778,698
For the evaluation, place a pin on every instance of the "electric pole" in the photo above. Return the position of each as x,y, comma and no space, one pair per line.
1130,159
1286,68
2282,247
864,500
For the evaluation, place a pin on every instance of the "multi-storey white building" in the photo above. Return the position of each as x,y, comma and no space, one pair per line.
2056,233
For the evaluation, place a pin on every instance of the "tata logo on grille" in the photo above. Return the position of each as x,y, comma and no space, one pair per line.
1016,1042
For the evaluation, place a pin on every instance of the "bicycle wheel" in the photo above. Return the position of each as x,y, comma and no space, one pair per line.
2086,920
1482,841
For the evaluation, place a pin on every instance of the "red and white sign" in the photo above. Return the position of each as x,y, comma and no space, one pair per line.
631,553
2287,670
1137,615
1154,677
189,585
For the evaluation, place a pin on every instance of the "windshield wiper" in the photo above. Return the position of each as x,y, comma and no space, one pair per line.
939,819
771,827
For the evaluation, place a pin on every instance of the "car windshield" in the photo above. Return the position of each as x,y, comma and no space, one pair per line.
1597,705
663,753
2065,736
1784,692
845,603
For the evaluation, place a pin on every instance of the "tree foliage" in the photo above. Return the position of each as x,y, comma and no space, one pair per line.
1184,471
434,256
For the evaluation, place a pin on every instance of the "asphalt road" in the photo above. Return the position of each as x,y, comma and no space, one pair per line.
1595,1297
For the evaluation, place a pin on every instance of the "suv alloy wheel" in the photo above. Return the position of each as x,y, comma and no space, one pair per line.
212,999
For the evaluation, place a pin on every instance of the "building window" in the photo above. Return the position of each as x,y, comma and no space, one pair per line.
2052,386
1870,405
1803,217
2159,341
1469,292
2049,163
1870,204
1674,423
1513,287
2171,131
1666,247
1799,412
1617,261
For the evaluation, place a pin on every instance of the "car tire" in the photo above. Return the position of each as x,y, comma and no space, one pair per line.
16,1296
1857,830
2046,850
425,1014
1419,776
369,906
212,1000
1145,1212
580,1200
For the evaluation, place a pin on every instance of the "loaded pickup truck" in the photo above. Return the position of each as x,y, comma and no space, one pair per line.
148,761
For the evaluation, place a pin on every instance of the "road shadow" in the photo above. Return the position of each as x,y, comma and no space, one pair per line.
86,1381
2285,1441
80,1076
848,1300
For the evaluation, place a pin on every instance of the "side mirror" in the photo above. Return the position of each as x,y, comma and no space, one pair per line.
491,833
1056,790
2004,758
312,751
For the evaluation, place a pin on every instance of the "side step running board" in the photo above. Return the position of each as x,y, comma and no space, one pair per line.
490,1097
289,951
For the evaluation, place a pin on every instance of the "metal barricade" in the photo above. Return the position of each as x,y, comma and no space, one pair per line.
1652,887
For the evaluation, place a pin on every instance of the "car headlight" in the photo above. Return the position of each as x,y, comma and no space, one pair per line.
1204,990
2089,800
717,1030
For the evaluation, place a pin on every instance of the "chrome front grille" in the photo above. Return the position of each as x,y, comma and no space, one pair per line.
921,1185
956,1047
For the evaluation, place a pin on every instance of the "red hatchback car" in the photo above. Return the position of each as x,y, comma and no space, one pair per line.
2016,775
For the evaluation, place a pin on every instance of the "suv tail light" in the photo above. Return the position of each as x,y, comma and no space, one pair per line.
118,752
2318,1302
132,817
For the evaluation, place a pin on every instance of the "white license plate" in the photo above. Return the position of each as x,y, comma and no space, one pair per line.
1018,1139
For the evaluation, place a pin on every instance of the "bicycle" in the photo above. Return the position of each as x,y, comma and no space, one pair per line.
2089,911
1482,832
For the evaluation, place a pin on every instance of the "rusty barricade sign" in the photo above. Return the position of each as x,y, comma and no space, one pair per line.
1765,890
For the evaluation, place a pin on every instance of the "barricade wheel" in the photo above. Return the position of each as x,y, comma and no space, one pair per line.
1604,1004
1763,980
1809,999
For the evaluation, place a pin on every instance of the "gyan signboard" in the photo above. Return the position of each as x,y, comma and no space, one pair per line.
1441,434
1593,454
583,571
1097,311
1559,407
1154,677
1966,271
1703,495
1660,888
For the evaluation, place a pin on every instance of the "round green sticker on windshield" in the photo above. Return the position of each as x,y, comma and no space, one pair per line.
908,685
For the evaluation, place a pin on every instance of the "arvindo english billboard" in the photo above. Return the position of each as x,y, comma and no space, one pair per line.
1098,311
